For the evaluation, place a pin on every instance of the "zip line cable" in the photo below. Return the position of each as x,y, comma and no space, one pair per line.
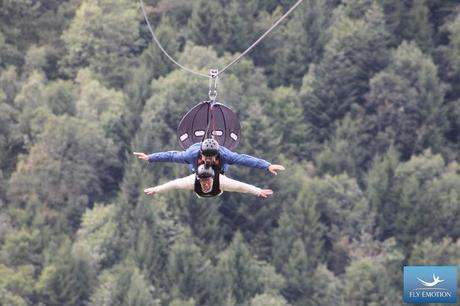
261,37
164,51
232,62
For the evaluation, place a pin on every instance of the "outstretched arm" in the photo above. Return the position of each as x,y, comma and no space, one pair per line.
169,156
181,183
249,161
188,156
231,185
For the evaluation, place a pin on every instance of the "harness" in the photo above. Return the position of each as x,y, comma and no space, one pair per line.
216,165
215,191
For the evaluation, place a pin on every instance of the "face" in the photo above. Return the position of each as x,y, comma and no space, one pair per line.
209,159
206,184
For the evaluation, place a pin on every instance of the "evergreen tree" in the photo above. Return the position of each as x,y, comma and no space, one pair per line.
355,52
96,237
268,299
124,285
297,43
435,252
67,170
189,272
426,184
382,192
295,134
405,105
410,20
366,282
300,221
347,150
343,212
232,31
298,286
449,70
240,275
61,97
102,35
16,285
68,281
31,101
326,289
10,136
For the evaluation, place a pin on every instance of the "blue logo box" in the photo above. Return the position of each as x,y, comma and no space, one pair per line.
430,284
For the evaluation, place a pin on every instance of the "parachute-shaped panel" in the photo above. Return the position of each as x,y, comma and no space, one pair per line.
223,124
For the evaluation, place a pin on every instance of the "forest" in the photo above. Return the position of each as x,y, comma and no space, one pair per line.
358,99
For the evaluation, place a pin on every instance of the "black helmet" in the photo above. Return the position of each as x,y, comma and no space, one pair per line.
209,147
204,171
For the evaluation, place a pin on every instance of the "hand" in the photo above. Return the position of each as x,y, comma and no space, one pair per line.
141,155
265,193
274,168
151,191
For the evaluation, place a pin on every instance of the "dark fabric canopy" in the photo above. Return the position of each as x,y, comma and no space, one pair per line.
223,124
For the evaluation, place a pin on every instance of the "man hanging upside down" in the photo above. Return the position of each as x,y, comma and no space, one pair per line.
208,183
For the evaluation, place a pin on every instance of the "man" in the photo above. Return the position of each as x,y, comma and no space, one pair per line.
207,183
211,153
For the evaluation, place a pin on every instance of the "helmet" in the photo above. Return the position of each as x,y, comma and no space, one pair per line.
209,147
204,171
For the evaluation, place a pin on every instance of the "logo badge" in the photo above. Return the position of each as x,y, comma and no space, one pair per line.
430,284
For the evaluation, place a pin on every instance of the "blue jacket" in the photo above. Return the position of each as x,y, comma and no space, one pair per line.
190,157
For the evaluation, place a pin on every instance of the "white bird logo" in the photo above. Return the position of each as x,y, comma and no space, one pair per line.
435,281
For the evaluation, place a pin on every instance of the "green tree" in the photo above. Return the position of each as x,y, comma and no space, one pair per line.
289,126
36,59
102,35
24,23
149,245
300,221
138,293
68,169
10,83
104,292
68,281
366,282
23,247
205,28
179,302
298,286
287,54
411,21
233,31
405,104
31,101
241,276
382,192
435,252
16,285
96,103
10,137
347,150
189,272
426,184
374,275
96,237
449,70
356,51
124,285
61,96
344,212
268,299
326,289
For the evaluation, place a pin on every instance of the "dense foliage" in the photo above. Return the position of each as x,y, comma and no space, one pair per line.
359,99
